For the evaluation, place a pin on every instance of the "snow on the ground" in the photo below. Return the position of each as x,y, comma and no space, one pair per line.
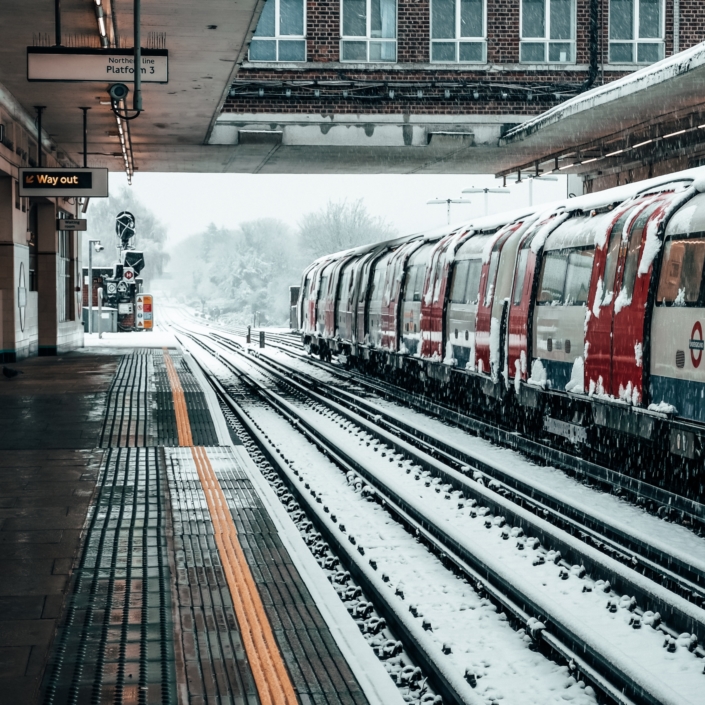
480,639
159,338
622,514
674,677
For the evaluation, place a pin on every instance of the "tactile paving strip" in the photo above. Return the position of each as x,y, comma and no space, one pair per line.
128,419
116,642
318,669
202,427
217,669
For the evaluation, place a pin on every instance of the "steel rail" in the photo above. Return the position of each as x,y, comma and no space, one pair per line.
655,562
561,638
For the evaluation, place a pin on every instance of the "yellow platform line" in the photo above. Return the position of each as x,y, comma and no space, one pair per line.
273,683
183,425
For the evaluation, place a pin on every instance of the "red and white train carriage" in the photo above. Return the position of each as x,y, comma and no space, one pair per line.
584,317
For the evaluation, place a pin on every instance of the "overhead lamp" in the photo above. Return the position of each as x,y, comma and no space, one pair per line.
587,161
614,154
673,134
641,144
567,166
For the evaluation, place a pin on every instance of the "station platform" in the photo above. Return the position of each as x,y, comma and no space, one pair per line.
143,557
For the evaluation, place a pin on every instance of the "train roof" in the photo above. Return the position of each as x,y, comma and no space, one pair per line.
586,202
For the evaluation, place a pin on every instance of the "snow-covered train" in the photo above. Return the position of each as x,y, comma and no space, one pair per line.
582,319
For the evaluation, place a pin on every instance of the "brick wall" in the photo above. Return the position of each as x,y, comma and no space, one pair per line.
413,47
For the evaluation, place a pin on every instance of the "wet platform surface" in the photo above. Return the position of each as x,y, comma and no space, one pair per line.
137,561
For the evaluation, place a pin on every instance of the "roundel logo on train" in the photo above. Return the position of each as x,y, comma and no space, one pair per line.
696,344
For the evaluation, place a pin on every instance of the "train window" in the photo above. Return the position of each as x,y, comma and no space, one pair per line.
378,282
472,289
414,283
682,272
460,281
577,278
553,271
613,259
489,289
520,275
633,249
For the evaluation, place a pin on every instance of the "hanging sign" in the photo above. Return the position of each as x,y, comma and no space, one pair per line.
88,64
91,183
71,224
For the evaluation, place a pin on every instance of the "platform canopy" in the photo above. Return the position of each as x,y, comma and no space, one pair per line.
653,115
206,41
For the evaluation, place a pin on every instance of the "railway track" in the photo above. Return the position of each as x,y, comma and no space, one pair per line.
514,515
656,500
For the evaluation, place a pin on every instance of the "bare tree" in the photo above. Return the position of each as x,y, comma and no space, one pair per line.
339,226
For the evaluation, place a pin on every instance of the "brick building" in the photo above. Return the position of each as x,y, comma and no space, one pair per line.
445,74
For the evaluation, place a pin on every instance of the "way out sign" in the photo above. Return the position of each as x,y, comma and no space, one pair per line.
91,183
143,311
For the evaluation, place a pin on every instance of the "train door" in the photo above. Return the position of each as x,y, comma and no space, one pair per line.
343,307
616,319
488,333
322,298
373,333
417,264
518,353
629,310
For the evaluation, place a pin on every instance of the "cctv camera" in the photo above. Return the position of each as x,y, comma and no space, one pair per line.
99,248
118,91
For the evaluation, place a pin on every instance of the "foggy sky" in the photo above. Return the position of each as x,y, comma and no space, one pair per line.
187,203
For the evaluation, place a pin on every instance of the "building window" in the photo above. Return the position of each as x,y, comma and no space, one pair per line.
548,31
458,31
636,31
369,30
280,32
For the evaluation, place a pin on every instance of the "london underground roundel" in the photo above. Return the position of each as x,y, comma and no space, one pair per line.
696,344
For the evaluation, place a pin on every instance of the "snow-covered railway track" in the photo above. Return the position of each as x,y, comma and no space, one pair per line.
570,623
654,498
680,574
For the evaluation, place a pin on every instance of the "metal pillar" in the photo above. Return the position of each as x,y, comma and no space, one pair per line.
137,97
85,137
57,22
40,109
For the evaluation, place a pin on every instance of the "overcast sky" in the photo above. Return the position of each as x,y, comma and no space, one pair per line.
187,203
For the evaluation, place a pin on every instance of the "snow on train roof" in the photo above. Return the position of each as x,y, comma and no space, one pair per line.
586,203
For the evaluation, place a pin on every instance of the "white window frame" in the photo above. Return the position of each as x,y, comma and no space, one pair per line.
461,40
547,33
368,38
278,36
661,41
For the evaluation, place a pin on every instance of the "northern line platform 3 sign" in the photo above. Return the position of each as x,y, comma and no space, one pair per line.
86,64
92,183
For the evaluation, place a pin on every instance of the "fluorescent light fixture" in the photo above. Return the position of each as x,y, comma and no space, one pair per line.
101,27
673,134
567,166
614,154
641,144
587,161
